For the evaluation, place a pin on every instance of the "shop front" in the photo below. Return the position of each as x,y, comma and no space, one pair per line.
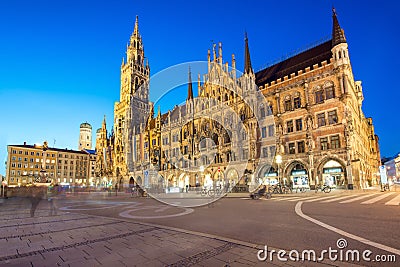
333,174
233,177
299,176
268,175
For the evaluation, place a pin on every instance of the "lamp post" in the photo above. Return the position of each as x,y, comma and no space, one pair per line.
278,160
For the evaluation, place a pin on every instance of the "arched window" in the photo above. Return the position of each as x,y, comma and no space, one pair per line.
319,96
262,111
329,91
270,109
227,139
288,103
297,101
215,139
242,114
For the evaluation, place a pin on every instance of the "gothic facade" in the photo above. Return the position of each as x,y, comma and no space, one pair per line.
309,113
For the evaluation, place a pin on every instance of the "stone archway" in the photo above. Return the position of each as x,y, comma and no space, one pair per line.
171,180
332,171
181,180
131,182
267,175
296,174
218,175
231,179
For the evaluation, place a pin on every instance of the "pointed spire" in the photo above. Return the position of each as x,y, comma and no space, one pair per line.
190,87
104,121
247,60
337,32
136,29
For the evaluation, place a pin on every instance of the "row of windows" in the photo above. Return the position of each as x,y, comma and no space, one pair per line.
32,166
297,125
324,94
290,104
295,105
32,153
332,118
268,152
47,160
32,160
331,142
270,129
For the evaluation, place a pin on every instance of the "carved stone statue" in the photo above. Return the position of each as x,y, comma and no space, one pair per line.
309,123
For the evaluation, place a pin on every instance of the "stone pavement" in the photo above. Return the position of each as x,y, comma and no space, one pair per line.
69,239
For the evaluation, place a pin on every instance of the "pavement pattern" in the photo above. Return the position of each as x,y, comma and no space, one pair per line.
70,239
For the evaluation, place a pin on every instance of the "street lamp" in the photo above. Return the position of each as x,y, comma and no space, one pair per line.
278,160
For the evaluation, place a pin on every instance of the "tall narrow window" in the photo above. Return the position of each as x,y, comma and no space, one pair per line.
264,132
321,119
299,125
270,110
335,142
324,143
319,96
289,126
330,92
288,105
297,102
262,112
332,117
265,152
272,150
292,148
300,147
271,130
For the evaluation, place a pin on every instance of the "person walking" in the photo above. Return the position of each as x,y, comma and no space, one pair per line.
52,192
37,194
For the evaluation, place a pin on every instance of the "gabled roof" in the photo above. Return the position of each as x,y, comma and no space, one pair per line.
293,64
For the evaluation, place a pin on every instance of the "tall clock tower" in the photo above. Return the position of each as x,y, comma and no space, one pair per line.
131,112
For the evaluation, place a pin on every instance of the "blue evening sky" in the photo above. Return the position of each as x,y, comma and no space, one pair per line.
60,60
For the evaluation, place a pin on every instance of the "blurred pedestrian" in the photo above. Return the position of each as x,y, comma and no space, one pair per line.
36,195
52,193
